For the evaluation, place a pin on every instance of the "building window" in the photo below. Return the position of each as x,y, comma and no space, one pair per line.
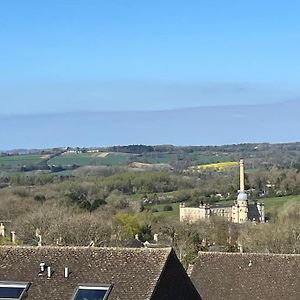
13,290
92,292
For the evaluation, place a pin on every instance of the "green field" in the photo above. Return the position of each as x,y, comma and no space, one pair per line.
207,158
88,159
194,157
156,158
172,214
17,161
271,203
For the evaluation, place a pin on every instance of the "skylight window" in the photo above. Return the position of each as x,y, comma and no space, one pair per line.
12,290
92,292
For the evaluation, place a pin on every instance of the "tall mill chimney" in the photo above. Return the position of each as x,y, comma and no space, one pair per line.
242,176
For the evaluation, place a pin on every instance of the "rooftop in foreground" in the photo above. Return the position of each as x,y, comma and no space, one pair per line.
130,273
247,276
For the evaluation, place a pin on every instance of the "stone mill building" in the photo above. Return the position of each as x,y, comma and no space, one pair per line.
240,212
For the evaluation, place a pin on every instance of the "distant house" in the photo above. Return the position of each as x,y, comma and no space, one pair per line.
245,276
81,273
93,151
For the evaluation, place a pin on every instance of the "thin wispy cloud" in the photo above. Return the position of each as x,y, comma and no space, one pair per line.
132,95
195,126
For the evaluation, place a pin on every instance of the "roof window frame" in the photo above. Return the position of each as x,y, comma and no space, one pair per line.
89,286
15,284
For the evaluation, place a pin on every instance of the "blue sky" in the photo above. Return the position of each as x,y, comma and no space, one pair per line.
93,55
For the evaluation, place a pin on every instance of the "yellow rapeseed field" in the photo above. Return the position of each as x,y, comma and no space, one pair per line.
216,166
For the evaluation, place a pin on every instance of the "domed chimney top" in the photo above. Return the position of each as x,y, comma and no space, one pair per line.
242,196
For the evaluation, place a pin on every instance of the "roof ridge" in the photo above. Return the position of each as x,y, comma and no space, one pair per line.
162,249
247,253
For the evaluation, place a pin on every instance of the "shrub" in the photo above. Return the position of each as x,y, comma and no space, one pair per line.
21,192
117,200
168,208
40,198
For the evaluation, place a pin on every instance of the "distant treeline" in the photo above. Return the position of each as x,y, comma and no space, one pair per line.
227,148
140,148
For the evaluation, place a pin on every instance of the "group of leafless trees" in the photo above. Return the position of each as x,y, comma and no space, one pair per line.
104,211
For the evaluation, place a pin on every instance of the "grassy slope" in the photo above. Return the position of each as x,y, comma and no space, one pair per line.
196,157
20,160
172,214
156,158
87,159
12,163
279,201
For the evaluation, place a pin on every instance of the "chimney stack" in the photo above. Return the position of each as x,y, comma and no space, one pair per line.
66,275
2,230
13,237
48,272
42,266
39,236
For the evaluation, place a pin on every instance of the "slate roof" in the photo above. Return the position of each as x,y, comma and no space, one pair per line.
135,273
247,276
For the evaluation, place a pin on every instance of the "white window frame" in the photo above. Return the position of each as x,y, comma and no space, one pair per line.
12,284
106,287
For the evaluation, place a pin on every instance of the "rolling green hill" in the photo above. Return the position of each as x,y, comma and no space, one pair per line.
90,159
